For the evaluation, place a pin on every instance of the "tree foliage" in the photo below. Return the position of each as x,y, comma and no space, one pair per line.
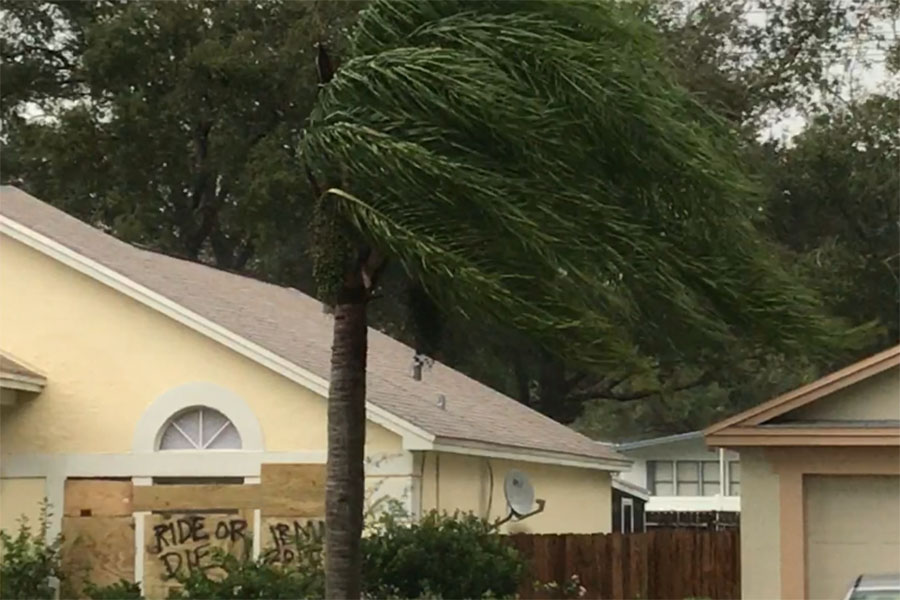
103,115
564,191
171,124
835,203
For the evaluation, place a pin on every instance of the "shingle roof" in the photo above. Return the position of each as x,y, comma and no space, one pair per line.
294,326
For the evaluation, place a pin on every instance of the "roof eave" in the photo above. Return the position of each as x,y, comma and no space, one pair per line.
822,387
472,448
413,436
23,383
660,441
735,436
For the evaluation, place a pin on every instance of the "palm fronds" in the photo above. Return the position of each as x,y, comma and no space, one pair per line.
534,161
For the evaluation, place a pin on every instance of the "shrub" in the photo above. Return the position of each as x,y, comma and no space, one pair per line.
121,590
29,563
439,557
249,579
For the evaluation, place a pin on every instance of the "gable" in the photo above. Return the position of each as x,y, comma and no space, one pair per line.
287,332
107,357
874,399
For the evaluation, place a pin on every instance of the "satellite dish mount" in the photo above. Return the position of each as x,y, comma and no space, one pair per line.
519,498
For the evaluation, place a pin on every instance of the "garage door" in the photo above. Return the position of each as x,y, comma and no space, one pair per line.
852,527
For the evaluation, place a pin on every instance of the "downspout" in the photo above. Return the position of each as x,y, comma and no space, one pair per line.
437,482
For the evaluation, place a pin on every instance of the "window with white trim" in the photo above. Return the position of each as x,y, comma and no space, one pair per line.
200,428
683,477
734,478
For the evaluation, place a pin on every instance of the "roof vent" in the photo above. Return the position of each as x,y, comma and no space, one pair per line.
419,361
442,402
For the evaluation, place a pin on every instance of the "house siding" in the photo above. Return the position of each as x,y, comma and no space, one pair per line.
876,398
577,500
760,533
20,497
107,358
685,450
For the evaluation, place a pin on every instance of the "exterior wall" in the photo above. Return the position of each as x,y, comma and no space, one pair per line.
794,467
638,472
760,533
107,358
637,511
20,497
578,500
775,520
8,397
875,398
844,538
683,450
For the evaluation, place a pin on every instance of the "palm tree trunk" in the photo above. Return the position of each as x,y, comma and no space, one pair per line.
345,487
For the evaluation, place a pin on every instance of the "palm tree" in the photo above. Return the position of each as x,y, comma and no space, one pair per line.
530,162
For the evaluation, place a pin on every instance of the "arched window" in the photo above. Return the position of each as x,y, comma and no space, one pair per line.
200,428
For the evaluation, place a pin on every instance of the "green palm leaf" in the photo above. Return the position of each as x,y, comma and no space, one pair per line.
534,162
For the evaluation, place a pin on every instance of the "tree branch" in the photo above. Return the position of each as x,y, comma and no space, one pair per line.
631,396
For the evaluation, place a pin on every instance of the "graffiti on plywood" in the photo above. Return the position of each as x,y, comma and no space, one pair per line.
287,540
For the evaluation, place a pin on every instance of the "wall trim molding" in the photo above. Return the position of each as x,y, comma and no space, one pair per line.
183,463
209,395
535,456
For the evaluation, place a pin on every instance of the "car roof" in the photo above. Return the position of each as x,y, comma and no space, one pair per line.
879,581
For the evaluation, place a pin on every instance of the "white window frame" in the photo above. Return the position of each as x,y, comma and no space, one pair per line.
629,502
731,463
200,443
156,417
651,483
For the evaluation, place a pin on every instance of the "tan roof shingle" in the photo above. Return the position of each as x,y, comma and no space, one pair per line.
293,326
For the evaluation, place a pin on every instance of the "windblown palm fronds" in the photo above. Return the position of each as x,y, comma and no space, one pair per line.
533,161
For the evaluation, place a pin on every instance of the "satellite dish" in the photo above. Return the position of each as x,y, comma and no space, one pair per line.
519,493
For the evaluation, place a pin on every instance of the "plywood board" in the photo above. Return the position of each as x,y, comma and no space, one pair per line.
176,498
97,498
283,540
177,545
97,549
293,489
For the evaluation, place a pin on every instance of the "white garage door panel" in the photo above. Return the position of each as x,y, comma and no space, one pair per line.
852,527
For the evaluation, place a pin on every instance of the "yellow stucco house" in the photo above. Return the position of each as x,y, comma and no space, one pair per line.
820,490
127,365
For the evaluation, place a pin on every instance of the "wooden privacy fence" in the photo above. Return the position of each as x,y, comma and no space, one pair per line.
705,519
677,563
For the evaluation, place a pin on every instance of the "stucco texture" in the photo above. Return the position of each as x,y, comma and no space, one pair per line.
578,500
760,533
876,398
107,357
20,498
852,527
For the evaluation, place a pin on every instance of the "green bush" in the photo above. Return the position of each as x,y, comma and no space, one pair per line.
439,557
121,590
29,563
249,579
